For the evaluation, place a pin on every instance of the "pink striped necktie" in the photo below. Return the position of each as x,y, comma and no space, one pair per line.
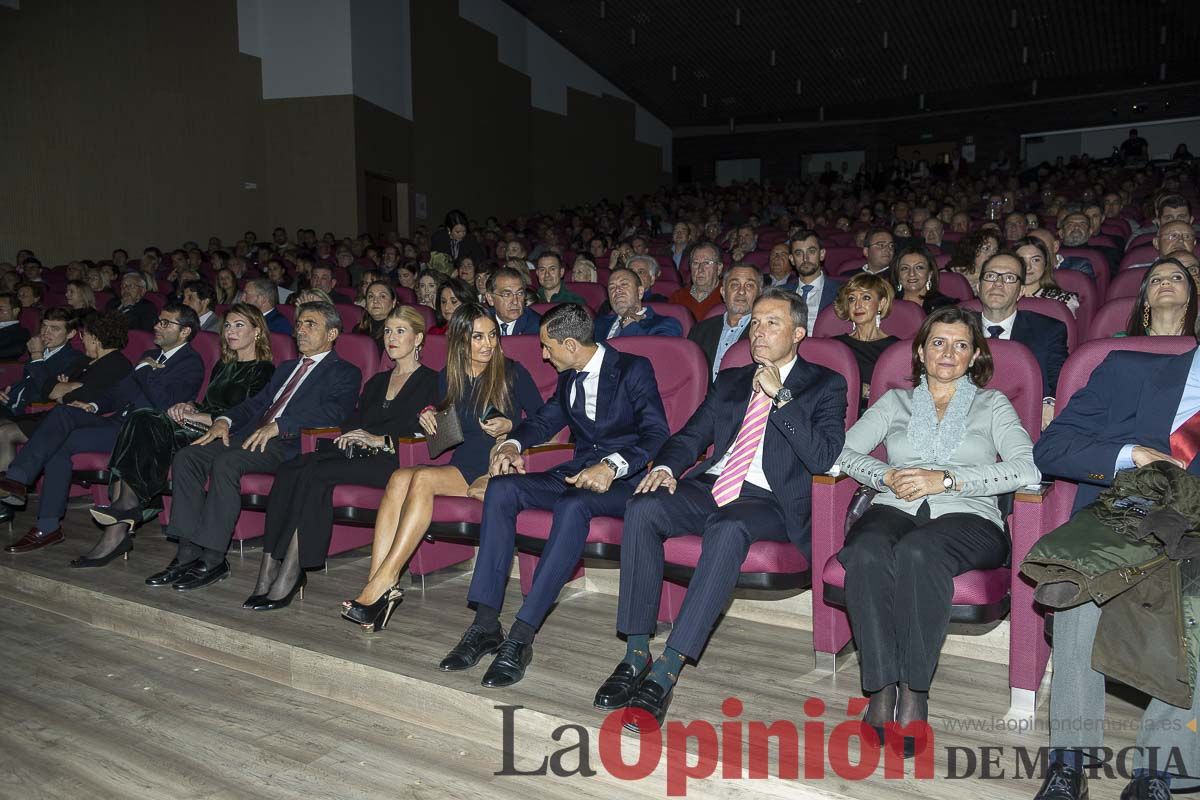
728,486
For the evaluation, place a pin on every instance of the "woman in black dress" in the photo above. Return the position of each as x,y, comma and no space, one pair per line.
914,276
103,335
865,300
149,438
299,520
489,393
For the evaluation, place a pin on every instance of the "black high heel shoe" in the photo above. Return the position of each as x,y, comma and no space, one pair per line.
121,549
268,604
133,517
375,616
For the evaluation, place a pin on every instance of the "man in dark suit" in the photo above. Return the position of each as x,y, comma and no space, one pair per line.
740,287
12,336
167,374
317,390
647,270
322,277
199,296
506,295
263,295
1000,283
772,426
628,316
132,302
612,405
50,355
1137,408
815,288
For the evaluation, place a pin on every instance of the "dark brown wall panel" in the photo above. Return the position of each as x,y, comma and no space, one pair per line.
125,124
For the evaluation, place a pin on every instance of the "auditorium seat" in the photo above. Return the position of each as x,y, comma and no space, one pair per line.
208,346
350,313
838,257
594,294
361,351
716,311
426,314
663,286
980,596
676,312
1143,255
1112,318
283,347
288,311
1126,283
1090,299
1047,308
955,285
1099,264
903,322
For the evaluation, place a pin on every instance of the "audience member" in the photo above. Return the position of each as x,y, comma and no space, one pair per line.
506,292
628,317
704,293
865,301
13,337
915,277
740,287
1039,275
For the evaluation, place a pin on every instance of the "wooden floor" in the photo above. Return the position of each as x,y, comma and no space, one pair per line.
113,689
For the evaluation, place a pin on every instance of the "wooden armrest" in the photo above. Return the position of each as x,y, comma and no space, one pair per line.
830,480
409,440
319,431
1033,494
549,447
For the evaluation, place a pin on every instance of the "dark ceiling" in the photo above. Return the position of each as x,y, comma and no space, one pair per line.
958,53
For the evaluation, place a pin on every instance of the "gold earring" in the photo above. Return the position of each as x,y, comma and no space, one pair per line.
1146,316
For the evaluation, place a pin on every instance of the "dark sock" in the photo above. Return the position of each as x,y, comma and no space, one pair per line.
1165,777
637,650
882,708
522,632
911,706
211,558
187,551
1069,758
665,671
487,617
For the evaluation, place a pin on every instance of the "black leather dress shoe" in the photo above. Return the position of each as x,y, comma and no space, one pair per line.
476,643
616,691
172,573
650,697
201,575
508,667
1146,787
1063,783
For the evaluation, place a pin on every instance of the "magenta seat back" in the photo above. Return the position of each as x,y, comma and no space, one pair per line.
1097,260
1078,368
825,352
715,311
1112,318
433,352
667,272
1047,308
758,258
159,300
676,312
139,342
903,322
350,313
1016,374
527,351
426,314
679,369
103,298
208,346
287,311
664,287
1142,254
594,294
283,348
1089,296
1140,239
835,257
405,296
361,351
955,285
1126,283
31,320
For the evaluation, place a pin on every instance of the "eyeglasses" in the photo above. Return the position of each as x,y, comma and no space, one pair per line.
708,262
883,246
509,294
162,323
1000,277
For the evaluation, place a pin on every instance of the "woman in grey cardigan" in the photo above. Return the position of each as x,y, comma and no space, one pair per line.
953,447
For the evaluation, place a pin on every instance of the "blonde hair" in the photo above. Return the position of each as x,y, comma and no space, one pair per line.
871,283
262,334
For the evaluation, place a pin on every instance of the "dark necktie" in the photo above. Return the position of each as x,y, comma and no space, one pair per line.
806,291
286,395
994,331
1185,441
579,404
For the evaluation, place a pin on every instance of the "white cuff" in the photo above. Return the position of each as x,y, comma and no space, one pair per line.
665,469
228,421
622,465
512,442
1125,458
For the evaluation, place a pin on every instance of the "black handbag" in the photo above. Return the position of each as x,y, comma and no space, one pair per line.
859,503
449,432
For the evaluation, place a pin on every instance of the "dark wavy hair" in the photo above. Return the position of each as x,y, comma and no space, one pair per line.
981,370
110,328
1136,325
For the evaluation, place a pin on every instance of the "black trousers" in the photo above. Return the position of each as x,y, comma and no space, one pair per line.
206,518
900,573
302,499
728,532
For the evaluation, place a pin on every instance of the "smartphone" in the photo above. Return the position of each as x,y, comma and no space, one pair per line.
489,414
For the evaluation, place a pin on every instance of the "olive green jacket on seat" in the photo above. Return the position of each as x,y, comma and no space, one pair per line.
1135,552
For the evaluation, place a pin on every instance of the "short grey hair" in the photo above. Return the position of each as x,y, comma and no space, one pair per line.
264,286
799,308
655,269
758,276
333,320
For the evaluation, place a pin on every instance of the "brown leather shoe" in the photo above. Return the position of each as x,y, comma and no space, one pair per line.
13,492
35,540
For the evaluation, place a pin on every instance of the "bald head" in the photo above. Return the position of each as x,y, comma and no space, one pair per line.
1175,236
1047,238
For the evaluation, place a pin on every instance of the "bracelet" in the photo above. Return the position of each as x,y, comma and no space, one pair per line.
428,408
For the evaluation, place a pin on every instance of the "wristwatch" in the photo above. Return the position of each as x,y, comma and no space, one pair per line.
784,395
947,481
608,462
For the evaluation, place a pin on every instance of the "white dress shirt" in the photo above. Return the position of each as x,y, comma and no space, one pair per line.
591,390
813,300
164,357
1006,324
317,359
756,475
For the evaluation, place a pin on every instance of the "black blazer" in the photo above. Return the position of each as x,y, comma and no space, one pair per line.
802,439
178,381
39,377
326,397
1046,338
142,315
707,334
12,341
1131,398
439,242
399,418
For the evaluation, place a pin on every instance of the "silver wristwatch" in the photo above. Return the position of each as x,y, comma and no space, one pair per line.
784,395
947,481
608,462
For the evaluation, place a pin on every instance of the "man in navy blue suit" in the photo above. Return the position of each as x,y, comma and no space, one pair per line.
629,317
1000,283
611,403
815,288
168,374
506,295
50,355
772,426
317,390
740,287
1137,408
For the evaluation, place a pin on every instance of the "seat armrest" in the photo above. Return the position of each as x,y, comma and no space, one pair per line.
1032,518
545,457
310,436
411,451
40,408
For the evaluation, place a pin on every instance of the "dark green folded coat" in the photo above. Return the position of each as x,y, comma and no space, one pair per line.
1139,565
